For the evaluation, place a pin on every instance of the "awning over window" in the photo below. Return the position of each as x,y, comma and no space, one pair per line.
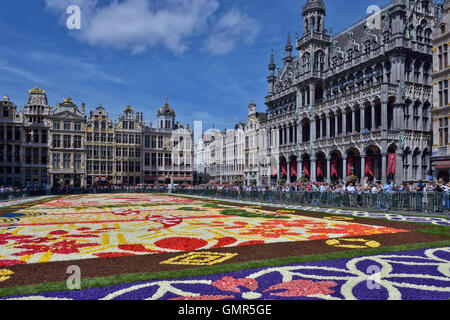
442,164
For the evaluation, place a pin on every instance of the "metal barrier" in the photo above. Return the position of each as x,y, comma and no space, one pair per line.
418,202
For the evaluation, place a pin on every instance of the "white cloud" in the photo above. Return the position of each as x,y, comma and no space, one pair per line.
232,28
140,24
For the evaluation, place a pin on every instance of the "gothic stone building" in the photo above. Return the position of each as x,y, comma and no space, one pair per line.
356,103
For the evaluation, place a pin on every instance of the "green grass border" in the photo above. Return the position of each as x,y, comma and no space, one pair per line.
206,271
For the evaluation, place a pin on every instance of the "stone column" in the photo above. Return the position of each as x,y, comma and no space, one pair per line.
321,127
312,93
353,120
420,124
299,168
312,128
328,170
384,115
363,167
300,133
288,162
383,168
373,118
344,122
363,118
419,174
299,98
328,126
344,168
313,170
336,125
399,169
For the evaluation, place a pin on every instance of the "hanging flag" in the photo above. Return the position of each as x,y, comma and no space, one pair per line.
369,166
320,168
274,167
350,166
335,167
284,168
392,163
306,169
294,169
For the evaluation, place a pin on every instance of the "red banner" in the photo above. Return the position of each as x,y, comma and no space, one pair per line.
350,166
306,169
335,167
320,168
392,163
369,166
294,169
284,168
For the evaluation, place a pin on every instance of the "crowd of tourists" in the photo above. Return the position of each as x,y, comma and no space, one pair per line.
352,188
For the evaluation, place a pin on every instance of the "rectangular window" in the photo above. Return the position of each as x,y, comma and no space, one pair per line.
138,153
118,152
154,159
77,126
56,161
67,143
56,141
147,142
443,132
138,139
77,161
103,137
89,137
118,166
131,138
153,142
66,160
160,142
125,153
110,137
77,142
67,125
147,160
56,125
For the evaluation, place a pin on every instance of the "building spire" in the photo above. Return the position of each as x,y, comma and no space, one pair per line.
289,49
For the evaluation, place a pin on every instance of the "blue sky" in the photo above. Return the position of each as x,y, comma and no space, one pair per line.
209,56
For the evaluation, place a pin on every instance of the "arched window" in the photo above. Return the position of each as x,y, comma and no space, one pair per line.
419,34
306,62
319,61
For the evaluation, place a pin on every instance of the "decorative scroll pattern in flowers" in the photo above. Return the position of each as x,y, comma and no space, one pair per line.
408,275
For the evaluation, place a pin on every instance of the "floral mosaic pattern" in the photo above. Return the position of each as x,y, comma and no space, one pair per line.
107,226
408,275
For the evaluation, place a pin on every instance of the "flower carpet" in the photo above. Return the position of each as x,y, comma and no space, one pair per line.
119,239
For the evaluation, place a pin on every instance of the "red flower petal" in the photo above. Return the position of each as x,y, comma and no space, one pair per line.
181,243
233,284
302,288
